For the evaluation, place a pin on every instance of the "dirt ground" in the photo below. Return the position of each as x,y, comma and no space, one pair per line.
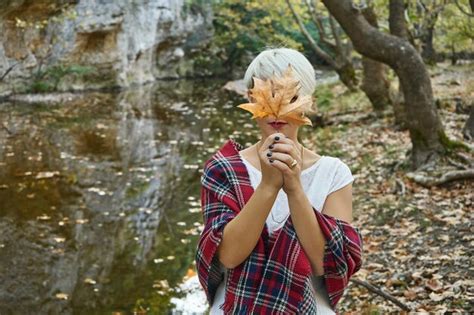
418,242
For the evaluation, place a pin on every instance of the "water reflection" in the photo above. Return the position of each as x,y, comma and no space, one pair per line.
99,196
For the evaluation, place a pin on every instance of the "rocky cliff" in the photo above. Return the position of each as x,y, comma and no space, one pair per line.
78,44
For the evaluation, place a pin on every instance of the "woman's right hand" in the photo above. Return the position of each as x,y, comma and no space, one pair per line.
271,176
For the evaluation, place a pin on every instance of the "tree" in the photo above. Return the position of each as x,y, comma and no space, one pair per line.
425,15
426,131
245,27
375,83
339,57
398,27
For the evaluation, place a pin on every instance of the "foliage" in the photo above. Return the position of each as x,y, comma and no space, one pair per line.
452,27
48,80
243,27
324,96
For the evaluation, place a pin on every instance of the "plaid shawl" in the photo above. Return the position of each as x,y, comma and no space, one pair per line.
276,277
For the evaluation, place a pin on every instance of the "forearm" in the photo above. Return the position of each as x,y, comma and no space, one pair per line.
307,228
241,234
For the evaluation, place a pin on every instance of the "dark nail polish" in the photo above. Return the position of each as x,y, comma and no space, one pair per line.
277,138
269,154
271,146
271,161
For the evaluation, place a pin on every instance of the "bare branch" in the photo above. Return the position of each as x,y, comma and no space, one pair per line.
383,294
4,75
310,39
428,181
335,34
319,24
463,10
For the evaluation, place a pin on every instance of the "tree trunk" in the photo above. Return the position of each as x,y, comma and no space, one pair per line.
426,131
396,19
468,130
398,27
375,83
347,75
428,52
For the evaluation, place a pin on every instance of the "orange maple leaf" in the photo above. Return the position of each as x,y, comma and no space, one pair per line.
276,96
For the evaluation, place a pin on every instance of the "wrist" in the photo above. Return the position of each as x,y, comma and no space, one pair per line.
267,188
297,191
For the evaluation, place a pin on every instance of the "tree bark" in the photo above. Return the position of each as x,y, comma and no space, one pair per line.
430,14
426,131
398,27
428,51
396,19
468,130
375,83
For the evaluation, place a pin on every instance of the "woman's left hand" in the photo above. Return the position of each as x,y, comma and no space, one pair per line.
283,152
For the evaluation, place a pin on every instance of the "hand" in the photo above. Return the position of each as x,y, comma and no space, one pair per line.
283,152
271,177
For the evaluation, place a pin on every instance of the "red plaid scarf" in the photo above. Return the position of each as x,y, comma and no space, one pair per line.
276,277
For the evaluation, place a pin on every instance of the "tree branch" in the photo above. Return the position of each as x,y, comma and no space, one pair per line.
335,34
383,294
319,24
310,39
462,9
428,181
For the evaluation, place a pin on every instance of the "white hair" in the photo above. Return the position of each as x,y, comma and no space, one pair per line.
276,60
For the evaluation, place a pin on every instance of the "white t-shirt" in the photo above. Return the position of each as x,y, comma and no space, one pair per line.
325,176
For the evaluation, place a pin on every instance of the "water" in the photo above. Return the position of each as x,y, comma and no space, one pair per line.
100,196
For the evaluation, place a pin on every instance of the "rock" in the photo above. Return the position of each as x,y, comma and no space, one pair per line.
123,42
237,86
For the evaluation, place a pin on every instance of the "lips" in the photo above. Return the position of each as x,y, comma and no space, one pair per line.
278,124
278,121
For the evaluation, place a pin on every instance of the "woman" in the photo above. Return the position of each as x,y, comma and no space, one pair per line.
277,235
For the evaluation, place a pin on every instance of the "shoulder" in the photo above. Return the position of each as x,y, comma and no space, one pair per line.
219,171
339,173
213,168
336,164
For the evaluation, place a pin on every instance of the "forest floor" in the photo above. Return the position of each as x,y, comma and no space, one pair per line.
418,242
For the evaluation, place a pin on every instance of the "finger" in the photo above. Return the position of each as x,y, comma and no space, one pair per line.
276,137
281,166
282,157
286,140
295,153
285,148
271,139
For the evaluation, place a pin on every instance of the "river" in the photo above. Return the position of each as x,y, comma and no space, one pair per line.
100,196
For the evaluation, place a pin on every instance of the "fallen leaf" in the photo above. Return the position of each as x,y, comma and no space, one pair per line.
62,296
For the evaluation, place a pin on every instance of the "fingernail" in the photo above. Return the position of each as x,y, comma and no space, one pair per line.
269,154
271,146
277,138
271,161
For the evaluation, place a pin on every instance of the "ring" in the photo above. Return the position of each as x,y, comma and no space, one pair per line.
293,163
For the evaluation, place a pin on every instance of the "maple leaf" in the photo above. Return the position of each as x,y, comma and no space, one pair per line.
278,96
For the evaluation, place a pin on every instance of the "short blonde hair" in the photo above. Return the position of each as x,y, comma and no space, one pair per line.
276,60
